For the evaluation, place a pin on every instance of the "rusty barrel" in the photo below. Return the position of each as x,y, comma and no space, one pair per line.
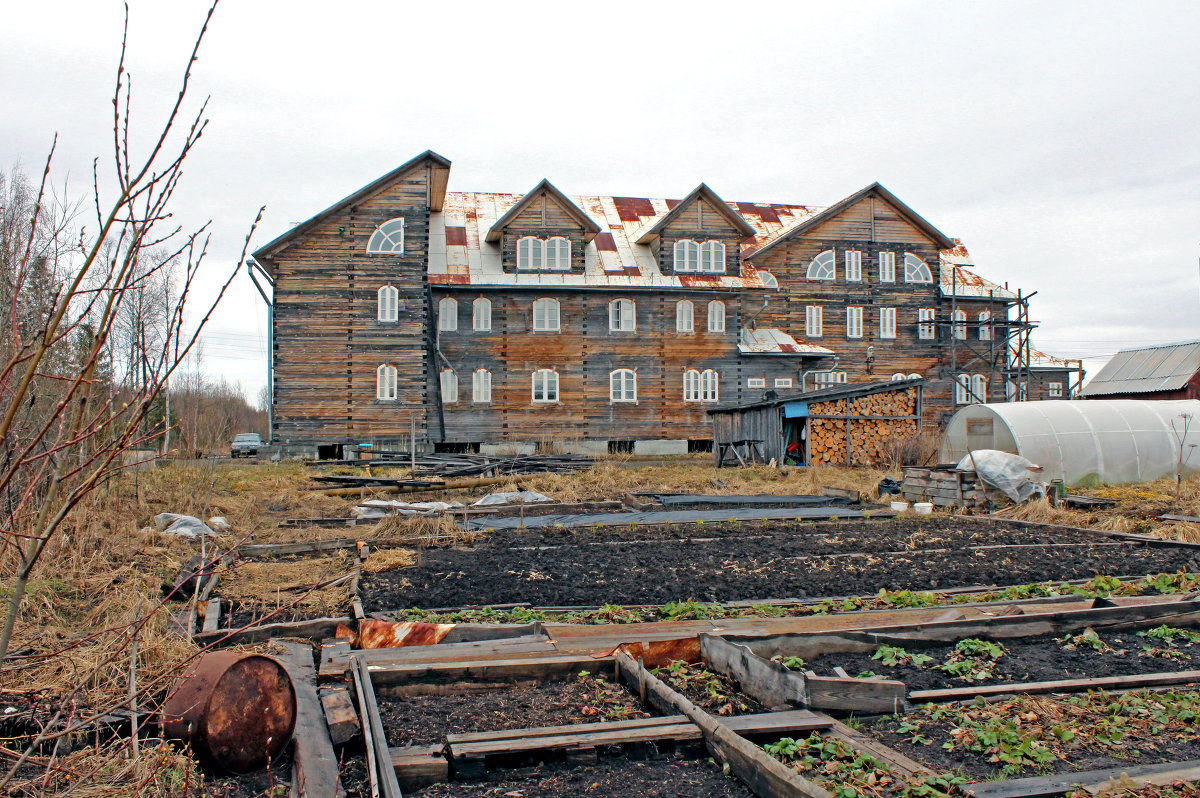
236,709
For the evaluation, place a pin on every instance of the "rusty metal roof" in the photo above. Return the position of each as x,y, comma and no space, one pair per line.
958,280
1040,360
1166,367
770,341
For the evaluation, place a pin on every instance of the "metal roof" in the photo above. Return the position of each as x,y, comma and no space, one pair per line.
1166,367
957,280
841,391
769,341
1040,360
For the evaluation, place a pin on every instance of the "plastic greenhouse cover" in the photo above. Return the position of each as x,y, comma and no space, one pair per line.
672,516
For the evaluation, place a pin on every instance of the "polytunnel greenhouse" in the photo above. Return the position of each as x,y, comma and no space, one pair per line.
1090,441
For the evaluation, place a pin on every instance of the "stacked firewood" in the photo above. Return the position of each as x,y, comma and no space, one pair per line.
869,436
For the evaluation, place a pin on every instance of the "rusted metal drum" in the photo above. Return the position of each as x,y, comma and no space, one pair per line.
236,709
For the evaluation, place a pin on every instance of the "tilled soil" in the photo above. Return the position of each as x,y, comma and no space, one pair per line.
1033,659
266,783
236,615
775,561
425,720
671,777
713,692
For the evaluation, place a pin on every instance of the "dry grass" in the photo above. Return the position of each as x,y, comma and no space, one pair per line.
389,559
268,585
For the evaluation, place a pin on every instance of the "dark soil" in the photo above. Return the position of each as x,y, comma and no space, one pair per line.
765,561
1034,659
425,720
236,615
270,782
713,692
671,777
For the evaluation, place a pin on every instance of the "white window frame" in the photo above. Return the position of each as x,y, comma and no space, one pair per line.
852,265
914,376
388,238
887,267
385,382
979,388
447,314
814,321
550,321
543,254
691,385
823,266
899,376
783,382
756,382
985,325
959,327
686,255
854,322
481,386
622,386
962,389
481,314
916,270
622,315
710,386
548,387
887,322
716,316
712,257
448,382
1054,390
388,303
926,324
824,379
685,314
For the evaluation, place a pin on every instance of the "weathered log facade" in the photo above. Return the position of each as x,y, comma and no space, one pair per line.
594,323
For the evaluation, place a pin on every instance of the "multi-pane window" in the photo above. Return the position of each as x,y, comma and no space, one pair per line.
481,386
854,328
823,267
783,382
887,322
388,238
813,321
979,386
449,383
448,314
1054,390
960,325
899,377
389,300
853,262
962,391
545,315
887,267
545,385
716,316
692,256
684,311
622,386
540,253
756,382
709,387
926,330
826,379
691,385
916,270
985,326
621,315
481,314
385,382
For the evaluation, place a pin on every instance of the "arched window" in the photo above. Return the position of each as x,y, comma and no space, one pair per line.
960,325
914,376
481,314
545,315
712,256
899,377
621,315
529,252
538,253
385,382
916,270
558,253
684,311
716,316
545,385
389,301
979,385
481,386
622,386
985,326
687,256
709,388
449,383
388,238
823,267
448,314
691,385
962,389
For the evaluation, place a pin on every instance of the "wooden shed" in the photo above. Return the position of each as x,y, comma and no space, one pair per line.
853,424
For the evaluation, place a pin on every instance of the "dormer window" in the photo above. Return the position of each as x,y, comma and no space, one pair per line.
693,256
535,253
388,238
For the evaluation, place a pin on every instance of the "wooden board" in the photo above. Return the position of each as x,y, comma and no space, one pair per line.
1094,781
340,715
885,696
502,669
767,682
896,761
316,765
418,766
387,775
1058,686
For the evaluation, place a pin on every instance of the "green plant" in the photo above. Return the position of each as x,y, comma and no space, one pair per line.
1085,639
974,647
894,657
791,663
907,598
1171,634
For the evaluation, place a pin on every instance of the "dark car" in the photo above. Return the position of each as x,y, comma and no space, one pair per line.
245,443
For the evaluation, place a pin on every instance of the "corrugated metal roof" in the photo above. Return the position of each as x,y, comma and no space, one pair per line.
770,341
824,394
1166,367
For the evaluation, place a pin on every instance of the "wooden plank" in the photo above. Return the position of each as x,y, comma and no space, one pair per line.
1094,781
534,667
392,658
387,775
1059,686
212,615
855,695
340,715
315,629
896,761
316,765
767,682
418,766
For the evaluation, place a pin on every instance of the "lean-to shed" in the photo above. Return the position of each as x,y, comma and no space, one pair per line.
1119,440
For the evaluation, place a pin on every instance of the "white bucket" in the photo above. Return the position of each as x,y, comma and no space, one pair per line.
900,506
923,508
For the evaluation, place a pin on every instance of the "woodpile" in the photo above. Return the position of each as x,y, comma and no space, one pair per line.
944,486
868,426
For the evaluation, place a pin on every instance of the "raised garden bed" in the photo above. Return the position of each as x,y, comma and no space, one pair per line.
713,692
764,560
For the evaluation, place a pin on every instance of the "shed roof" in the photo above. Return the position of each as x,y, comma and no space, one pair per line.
843,391
1166,367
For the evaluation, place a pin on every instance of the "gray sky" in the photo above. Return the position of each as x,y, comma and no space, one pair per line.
1060,141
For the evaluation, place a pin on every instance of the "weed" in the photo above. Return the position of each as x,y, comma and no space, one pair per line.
895,657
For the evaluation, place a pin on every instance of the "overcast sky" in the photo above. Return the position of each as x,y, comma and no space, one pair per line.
1060,141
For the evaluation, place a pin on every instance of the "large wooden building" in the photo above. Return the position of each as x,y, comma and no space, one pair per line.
599,323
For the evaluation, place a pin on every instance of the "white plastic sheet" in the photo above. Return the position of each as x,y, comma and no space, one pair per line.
511,497
185,526
382,508
1011,474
